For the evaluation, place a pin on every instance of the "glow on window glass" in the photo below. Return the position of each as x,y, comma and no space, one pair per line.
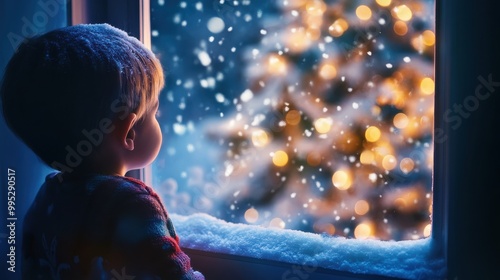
306,115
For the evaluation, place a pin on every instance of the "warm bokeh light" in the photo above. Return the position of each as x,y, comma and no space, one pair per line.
413,128
367,157
400,120
372,134
296,3
276,65
402,12
260,138
363,12
338,27
363,231
292,117
327,71
277,223
376,110
251,215
427,86
384,3
417,43
400,28
389,162
382,149
361,207
342,180
406,165
323,125
280,158
315,8
427,230
428,38
299,39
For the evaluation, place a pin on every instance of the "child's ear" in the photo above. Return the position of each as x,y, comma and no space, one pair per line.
126,131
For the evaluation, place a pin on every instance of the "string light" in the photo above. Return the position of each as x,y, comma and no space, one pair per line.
429,38
361,207
384,3
367,157
251,215
328,71
363,12
276,65
342,180
427,86
402,12
400,120
372,134
427,230
363,231
389,162
323,125
260,138
338,27
406,165
277,223
400,28
280,158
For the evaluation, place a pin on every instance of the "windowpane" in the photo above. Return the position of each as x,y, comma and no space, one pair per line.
307,115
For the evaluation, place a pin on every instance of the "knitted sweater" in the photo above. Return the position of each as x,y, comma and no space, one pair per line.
101,227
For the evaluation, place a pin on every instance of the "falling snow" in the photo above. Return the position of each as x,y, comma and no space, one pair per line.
266,101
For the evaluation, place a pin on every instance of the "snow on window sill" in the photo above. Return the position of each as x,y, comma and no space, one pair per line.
412,259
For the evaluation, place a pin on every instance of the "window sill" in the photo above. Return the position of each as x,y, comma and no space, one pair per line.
291,254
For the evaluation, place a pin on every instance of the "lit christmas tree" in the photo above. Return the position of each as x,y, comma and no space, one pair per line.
334,132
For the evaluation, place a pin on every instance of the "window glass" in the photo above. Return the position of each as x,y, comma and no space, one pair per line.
307,115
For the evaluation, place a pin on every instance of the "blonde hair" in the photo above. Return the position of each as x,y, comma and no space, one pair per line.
141,78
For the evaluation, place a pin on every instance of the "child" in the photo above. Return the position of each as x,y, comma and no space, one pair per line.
84,99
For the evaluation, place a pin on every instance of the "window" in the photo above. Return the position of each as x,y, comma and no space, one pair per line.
307,115
457,209
229,52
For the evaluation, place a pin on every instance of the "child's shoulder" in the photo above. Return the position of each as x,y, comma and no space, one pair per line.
119,183
92,183
100,193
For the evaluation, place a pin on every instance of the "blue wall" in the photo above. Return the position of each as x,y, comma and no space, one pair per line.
20,19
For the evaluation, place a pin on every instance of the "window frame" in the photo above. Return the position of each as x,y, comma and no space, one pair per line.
134,17
438,216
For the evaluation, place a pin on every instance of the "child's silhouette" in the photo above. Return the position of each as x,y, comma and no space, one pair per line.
84,99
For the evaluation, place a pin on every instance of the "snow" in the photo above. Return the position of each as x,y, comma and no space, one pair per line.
410,259
204,58
215,25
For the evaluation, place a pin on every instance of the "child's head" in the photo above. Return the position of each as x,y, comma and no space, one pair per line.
64,91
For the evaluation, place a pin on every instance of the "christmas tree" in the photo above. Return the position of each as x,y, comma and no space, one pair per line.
333,134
